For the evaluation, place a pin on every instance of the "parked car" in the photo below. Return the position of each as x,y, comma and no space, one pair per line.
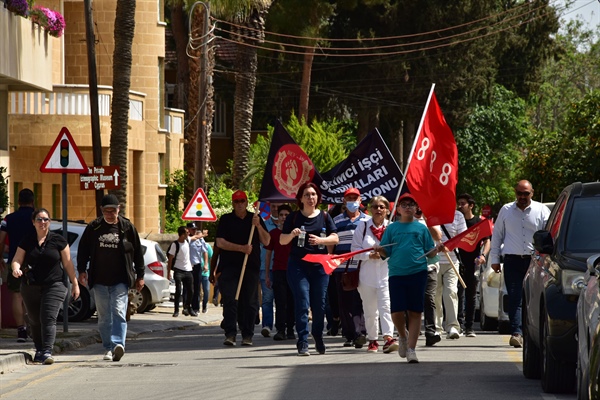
552,285
156,288
588,333
493,300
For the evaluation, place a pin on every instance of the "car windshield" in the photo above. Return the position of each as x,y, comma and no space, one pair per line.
583,235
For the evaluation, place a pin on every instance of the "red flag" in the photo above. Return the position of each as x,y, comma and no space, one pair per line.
469,239
330,262
433,170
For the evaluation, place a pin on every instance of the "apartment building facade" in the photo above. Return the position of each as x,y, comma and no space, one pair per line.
44,87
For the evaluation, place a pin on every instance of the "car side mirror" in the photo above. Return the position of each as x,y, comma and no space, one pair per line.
543,242
593,264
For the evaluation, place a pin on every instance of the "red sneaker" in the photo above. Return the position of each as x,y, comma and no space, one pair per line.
390,346
373,346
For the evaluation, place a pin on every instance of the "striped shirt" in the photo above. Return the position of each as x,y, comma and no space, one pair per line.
345,231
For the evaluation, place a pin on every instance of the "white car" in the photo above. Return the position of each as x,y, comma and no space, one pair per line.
493,300
156,288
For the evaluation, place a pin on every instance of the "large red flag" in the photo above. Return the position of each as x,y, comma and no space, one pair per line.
433,169
469,239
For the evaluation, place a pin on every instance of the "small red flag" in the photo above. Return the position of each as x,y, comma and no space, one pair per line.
433,171
330,261
469,239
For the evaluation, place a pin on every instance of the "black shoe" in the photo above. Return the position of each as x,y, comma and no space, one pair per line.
21,334
176,313
348,343
360,341
279,336
320,346
291,336
193,312
431,340
185,312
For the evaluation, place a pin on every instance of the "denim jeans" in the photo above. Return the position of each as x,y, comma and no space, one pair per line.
199,281
111,305
308,283
267,300
514,270
43,303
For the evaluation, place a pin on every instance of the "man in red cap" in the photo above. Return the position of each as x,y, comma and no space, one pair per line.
233,234
346,306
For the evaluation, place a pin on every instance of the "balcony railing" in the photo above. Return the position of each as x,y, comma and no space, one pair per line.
71,100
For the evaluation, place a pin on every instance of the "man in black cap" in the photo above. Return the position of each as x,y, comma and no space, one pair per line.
111,246
17,225
199,260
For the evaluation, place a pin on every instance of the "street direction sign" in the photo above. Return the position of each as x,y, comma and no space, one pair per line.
199,208
64,156
100,178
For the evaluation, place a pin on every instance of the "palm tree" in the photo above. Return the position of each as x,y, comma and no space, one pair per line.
122,59
247,18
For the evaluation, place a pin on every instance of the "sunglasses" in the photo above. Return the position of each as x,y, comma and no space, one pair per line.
523,193
406,205
40,219
378,207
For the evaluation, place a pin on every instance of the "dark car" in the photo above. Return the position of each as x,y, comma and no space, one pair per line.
588,329
552,285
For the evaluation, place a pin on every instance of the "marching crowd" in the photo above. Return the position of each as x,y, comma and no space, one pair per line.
400,272
379,291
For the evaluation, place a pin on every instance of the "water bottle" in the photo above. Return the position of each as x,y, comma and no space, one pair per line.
301,236
323,235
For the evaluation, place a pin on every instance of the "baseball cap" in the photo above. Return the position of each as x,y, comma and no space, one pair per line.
405,196
110,201
191,225
239,195
352,190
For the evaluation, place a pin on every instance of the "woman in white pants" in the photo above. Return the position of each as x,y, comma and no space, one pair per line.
373,280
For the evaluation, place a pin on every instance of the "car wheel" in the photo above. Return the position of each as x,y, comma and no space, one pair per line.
504,328
486,323
531,353
557,377
140,300
78,309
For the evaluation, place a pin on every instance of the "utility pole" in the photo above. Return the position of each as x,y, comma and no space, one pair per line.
93,85
202,97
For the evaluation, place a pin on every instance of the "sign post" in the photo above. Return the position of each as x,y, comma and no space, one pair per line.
64,157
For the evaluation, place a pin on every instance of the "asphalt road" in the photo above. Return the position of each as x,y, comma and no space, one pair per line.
192,363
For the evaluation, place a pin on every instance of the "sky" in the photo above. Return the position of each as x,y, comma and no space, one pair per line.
588,10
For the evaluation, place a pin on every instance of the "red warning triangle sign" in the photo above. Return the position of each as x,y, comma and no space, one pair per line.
199,208
64,156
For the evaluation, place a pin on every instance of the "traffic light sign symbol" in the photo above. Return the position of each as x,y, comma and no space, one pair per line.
64,152
199,206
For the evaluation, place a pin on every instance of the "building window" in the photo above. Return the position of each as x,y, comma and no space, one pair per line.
161,92
219,118
161,10
162,169
17,186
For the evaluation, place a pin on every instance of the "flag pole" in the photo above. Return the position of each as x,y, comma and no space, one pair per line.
239,287
412,150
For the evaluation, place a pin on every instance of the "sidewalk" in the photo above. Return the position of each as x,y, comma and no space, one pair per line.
14,355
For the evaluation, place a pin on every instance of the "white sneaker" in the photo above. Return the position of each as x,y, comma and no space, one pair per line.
118,352
403,345
453,334
266,332
411,356
107,356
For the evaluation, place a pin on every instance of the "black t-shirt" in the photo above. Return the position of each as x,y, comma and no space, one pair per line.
237,230
43,262
109,258
311,226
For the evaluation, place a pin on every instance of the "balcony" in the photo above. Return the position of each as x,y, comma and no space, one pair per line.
26,61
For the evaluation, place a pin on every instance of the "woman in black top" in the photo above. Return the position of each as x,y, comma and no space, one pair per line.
308,281
38,259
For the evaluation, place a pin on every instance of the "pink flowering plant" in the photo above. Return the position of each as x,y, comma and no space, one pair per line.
52,21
